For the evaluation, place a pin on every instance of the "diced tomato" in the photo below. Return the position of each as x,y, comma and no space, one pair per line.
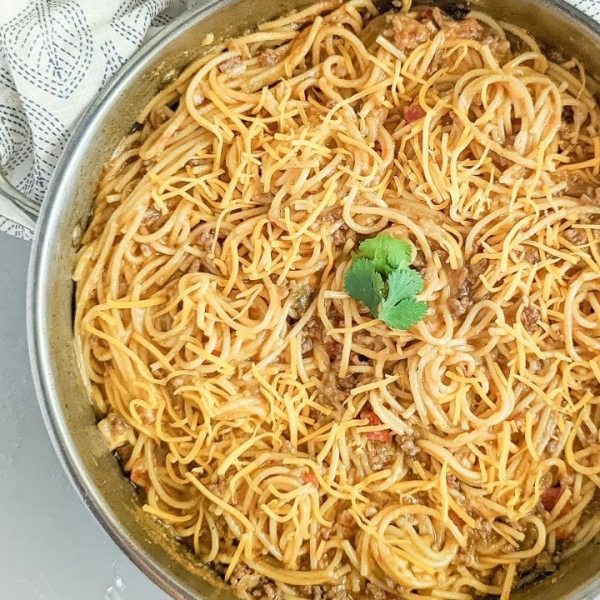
456,519
378,436
371,417
413,113
550,497
311,478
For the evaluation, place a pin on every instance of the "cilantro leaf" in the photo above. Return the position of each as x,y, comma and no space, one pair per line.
404,314
403,284
364,283
400,310
387,253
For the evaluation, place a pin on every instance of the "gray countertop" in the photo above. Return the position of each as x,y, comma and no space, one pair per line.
51,548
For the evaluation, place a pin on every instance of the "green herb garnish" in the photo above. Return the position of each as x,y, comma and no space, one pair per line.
386,252
364,283
381,278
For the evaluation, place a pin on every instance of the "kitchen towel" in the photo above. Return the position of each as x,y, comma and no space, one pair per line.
54,57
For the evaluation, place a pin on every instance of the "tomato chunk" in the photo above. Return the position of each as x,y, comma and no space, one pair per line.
378,436
413,113
456,519
371,417
311,478
550,497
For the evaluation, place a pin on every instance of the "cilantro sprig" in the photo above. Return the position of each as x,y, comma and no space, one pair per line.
380,276
386,252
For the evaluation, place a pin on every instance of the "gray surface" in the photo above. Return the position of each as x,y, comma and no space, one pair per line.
51,548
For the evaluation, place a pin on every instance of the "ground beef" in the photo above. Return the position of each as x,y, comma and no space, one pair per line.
406,33
245,579
339,237
483,532
241,576
477,269
116,431
381,454
315,592
432,14
311,334
531,317
332,394
374,592
349,382
577,237
333,349
468,28
337,592
567,478
499,47
345,519
536,366
313,329
366,340
205,240
306,346
219,488
453,482
459,306
269,590
531,255
499,577
233,66
408,446
459,282
462,281
269,58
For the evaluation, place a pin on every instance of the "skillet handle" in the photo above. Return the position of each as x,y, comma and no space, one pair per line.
20,200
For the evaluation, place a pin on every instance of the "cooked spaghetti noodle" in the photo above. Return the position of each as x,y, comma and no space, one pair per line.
300,446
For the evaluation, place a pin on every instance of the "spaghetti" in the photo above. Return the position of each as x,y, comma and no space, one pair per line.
300,446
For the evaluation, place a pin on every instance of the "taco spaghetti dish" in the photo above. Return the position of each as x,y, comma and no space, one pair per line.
338,306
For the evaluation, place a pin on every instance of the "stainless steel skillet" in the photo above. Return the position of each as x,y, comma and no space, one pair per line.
68,413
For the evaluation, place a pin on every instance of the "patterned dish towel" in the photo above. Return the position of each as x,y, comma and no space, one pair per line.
54,57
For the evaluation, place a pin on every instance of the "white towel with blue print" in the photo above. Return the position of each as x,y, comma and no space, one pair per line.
54,57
